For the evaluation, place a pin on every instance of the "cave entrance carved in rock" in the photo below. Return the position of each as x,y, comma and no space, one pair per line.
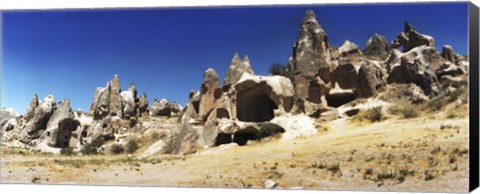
255,105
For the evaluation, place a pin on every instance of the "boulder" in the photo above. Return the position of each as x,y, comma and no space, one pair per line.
175,109
235,71
376,48
61,125
410,39
115,107
160,108
107,100
371,77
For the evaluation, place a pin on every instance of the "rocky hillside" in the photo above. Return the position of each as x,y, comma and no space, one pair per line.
322,83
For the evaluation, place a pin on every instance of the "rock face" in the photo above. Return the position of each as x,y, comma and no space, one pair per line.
371,77
210,93
235,71
31,108
8,119
410,39
37,125
130,102
107,100
160,108
417,66
310,57
61,125
143,106
377,47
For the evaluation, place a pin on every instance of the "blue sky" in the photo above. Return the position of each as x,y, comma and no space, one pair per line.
164,52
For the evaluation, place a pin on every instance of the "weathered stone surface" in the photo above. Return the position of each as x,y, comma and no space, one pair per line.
410,39
31,108
61,125
261,98
417,66
8,119
160,108
37,125
311,56
130,101
115,108
448,54
350,54
371,77
143,106
236,69
376,47
210,93
175,109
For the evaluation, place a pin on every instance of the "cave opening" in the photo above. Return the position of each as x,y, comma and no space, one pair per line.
254,105
337,100
314,92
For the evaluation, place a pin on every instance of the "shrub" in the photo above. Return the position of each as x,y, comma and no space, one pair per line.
92,147
269,129
132,146
278,69
132,122
374,114
116,149
68,151
409,112
436,104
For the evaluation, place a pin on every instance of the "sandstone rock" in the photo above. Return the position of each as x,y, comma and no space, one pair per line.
269,184
143,106
376,47
310,57
417,66
235,71
37,125
350,54
31,108
346,75
410,39
448,54
8,119
210,94
175,109
115,107
160,108
130,101
371,77
61,125
258,98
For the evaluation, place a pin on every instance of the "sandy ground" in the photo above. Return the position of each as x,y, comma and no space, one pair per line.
392,155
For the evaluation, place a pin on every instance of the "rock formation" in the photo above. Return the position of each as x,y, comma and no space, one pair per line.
61,125
410,39
143,106
377,47
38,123
107,100
236,69
210,94
310,58
130,101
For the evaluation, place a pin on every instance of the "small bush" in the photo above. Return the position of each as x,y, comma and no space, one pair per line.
116,149
68,151
269,129
436,104
278,69
374,114
132,146
409,112
92,147
132,122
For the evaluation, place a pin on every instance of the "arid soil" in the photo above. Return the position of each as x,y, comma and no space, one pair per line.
424,153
